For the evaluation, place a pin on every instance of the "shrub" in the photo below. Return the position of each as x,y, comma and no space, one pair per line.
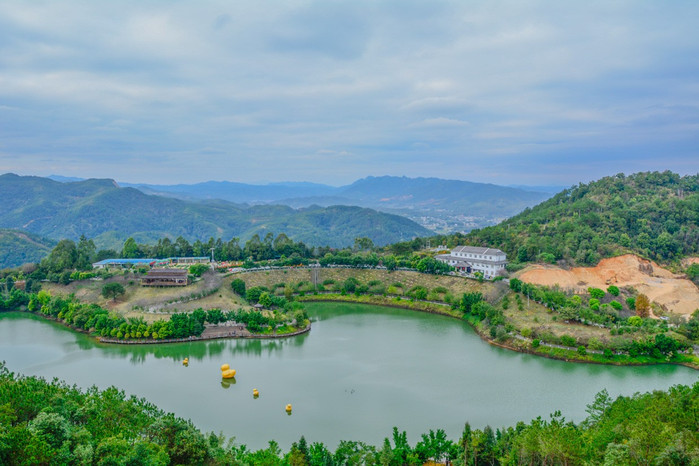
582,351
567,340
253,294
613,290
112,290
616,305
238,287
635,321
642,305
526,332
418,292
198,269
595,344
350,285
535,343
596,293
594,304
547,257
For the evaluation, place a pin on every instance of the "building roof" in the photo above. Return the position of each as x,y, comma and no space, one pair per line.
185,257
123,261
477,250
449,257
166,273
144,261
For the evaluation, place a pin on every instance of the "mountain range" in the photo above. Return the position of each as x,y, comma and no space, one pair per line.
438,204
108,213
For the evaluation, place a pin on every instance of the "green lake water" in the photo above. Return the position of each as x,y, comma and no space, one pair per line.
359,372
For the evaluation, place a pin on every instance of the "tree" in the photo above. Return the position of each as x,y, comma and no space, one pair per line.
642,306
468,300
238,287
113,290
198,269
62,257
130,249
363,244
86,252
265,299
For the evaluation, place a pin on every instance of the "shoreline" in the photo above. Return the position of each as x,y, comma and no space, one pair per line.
231,336
503,345
111,341
386,302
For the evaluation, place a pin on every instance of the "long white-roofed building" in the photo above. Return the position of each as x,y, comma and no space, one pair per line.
490,262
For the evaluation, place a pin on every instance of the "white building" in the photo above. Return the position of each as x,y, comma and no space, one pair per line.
489,261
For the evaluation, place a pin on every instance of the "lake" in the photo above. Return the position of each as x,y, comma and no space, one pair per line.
360,371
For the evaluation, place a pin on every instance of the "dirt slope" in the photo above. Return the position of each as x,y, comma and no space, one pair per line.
674,293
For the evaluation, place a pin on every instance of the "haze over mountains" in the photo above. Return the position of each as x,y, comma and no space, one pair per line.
108,213
437,204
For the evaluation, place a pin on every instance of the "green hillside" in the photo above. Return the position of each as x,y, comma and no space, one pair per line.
18,247
102,210
655,215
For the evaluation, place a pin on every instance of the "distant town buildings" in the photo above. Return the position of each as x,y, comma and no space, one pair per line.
488,261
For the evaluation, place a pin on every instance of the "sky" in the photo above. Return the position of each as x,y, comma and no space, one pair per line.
506,92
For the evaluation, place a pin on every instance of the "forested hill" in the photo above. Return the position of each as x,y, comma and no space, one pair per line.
102,210
18,247
655,215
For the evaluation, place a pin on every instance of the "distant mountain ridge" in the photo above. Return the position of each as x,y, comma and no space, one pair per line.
435,203
103,210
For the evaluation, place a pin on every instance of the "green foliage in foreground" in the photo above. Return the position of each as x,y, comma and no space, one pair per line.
53,423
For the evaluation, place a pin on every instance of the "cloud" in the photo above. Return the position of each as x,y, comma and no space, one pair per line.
333,91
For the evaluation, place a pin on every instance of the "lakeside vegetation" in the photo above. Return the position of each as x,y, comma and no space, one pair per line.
53,423
523,317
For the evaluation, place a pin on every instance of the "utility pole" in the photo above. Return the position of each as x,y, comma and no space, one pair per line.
212,254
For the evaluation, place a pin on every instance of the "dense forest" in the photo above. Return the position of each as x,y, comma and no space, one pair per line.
655,215
53,423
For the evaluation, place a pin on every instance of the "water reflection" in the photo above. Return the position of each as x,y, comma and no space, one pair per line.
226,383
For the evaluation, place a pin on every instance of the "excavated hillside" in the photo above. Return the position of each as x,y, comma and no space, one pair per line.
672,292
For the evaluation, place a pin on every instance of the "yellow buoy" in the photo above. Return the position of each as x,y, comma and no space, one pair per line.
186,361
255,393
227,372
288,408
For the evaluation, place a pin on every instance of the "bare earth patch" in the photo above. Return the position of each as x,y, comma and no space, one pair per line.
671,291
